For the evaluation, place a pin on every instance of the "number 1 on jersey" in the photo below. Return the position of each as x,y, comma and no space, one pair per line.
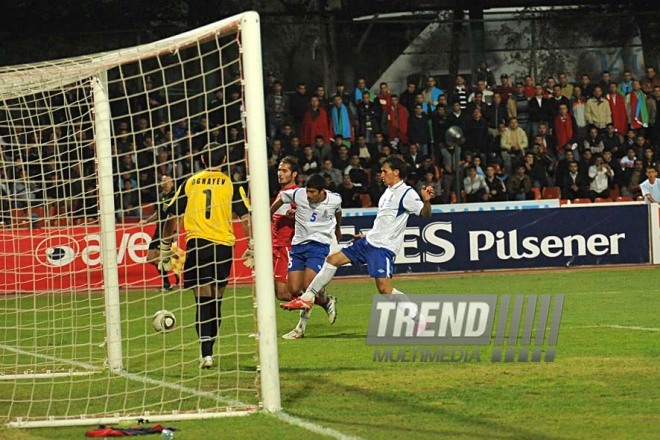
207,211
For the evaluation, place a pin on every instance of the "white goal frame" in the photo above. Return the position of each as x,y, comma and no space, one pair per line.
24,81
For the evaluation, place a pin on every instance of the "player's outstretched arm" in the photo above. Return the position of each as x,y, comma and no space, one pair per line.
277,204
427,194
338,226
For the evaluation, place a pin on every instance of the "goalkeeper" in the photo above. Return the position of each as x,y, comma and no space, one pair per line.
207,201
159,216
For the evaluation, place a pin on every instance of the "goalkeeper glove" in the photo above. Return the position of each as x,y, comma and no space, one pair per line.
166,255
248,255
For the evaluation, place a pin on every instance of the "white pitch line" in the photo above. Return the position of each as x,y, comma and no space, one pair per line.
622,327
313,427
287,418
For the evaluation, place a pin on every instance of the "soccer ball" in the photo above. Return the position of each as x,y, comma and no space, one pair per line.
163,321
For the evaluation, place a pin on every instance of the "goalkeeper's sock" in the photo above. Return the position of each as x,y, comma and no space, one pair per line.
207,325
320,281
218,314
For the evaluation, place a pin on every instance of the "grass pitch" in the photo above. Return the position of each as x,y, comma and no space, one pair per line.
604,383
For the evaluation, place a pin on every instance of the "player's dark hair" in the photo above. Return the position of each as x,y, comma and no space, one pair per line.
214,154
292,161
395,163
316,181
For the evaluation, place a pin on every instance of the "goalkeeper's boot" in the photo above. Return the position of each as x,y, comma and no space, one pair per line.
330,308
206,362
297,303
296,333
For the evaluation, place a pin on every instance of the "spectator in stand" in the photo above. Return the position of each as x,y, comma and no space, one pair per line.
600,175
340,120
346,98
597,110
310,162
369,116
426,108
650,81
485,74
460,92
651,187
565,131
577,108
457,116
407,97
653,104
574,185
285,135
536,167
329,170
474,186
629,159
612,141
513,144
504,89
518,107
323,97
429,179
561,168
496,189
476,133
487,95
419,130
566,87
649,158
641,144
432,94
629,140
439,124
314,123
549,87
342,159
233,110
128,201
586,86
477,101
366,152
277,109
539,110
359,90
605,80
637,110
631,179
626,85
377,187
519,186
321,148
355,170
593,141
298,104
350,193
529,88
617,109
415,158
496,114
384,95
557,100
216,107
396,121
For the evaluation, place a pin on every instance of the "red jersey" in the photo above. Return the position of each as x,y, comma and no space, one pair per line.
283,227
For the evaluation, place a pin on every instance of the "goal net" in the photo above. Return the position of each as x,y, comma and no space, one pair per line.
91,147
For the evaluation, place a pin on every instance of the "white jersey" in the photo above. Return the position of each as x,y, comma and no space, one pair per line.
653,189
313,222
394,207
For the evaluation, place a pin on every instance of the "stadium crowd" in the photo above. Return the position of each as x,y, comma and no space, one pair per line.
523,139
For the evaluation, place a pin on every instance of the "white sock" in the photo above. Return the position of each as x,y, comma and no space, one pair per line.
405,305
320,281
304,317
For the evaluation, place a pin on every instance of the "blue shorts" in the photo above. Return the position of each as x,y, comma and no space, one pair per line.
311,254
379,261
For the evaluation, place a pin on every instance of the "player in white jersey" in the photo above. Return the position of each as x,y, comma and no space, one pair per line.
378,246
318,218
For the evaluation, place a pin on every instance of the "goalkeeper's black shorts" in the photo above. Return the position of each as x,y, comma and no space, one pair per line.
207,263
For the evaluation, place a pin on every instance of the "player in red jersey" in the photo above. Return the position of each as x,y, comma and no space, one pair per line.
283,226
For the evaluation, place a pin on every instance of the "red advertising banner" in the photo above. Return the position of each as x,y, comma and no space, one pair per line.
69,258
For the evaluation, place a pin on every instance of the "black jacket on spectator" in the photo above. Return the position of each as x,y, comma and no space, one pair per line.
497,114
581,181
418,130
476,135
539,113
370,115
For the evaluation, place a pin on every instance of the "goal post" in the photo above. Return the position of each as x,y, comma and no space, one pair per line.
90,146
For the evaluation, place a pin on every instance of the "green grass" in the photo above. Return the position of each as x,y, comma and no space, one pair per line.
604,383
